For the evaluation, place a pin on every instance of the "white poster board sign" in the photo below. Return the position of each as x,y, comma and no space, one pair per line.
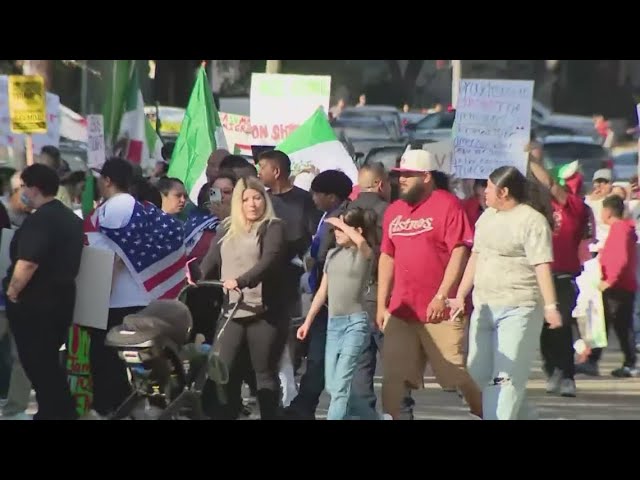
279,103
492,126
95,141
93,288
443,153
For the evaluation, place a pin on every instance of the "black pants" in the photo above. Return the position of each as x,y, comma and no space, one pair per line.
204,304
40,327
312,382
363,377
556,345
108,371
618,311
263,338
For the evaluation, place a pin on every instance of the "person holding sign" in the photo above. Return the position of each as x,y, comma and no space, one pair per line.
40,288
510,272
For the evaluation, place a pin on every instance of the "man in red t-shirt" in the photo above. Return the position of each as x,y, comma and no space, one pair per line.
426,240
570,216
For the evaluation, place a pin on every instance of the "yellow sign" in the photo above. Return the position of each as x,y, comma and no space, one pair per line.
27,104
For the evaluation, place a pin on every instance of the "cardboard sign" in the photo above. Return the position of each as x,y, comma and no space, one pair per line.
93,288
95,141
27,104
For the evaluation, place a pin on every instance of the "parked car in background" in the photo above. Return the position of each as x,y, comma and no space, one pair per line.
625,165
542,116
389,156
562,149
364,133
385,113
435,127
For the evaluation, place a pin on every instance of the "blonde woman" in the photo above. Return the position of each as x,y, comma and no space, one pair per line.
249,253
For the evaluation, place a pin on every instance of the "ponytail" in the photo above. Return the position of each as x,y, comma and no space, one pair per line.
365,219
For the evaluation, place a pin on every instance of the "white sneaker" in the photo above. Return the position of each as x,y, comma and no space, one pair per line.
386,416
553,383
567,387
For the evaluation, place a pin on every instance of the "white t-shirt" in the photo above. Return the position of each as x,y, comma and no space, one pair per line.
125,291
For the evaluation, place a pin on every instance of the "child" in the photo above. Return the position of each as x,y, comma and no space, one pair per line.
344,283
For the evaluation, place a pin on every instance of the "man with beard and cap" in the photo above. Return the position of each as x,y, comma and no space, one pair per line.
571,217
425,246
374,192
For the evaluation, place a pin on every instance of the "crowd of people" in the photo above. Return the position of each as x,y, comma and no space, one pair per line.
470,276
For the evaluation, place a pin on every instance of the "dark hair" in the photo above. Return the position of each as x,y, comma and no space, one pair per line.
615,204
281,159
228,174
166,184
478,183
238,162
394,183
143,191
440,180
523,190
377,168
167,150
74,178
365,219
42,177
119,171
203,196
53,153
333,182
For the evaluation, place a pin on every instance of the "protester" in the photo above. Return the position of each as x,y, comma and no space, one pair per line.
144,191
426,237
570,222
296,208
239,165
330,192
618,262
213,163
40,289
17,210
601,189
375,191
50,156
346,275
249,253
174,195
475,205
509,269
149,250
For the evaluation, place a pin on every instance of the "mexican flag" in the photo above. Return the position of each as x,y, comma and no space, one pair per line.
314,147
200,134
128,131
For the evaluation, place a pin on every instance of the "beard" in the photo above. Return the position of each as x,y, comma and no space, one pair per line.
414,194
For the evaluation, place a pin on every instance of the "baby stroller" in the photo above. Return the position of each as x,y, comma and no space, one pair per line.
167,372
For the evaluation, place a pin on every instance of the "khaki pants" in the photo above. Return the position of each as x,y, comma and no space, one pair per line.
408,345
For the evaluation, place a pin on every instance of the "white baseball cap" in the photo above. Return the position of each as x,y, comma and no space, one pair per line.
603,174
419,161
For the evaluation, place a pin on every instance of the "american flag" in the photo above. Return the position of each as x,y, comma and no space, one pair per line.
150,245
197,223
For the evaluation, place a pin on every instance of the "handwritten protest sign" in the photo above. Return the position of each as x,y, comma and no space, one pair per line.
443,153
95,141
279,103
27,104
492,126
237,131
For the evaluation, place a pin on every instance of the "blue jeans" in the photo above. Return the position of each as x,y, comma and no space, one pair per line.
502,347
346,337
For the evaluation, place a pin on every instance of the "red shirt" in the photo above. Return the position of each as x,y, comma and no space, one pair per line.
354,192
570,224
473,209
420,238
618,256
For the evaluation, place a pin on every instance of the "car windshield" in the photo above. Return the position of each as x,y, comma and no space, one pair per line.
363,129
437,120
627,159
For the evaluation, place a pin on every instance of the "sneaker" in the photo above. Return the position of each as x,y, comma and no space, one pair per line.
567,387
626,372
553,383
474,416
386,416
588,368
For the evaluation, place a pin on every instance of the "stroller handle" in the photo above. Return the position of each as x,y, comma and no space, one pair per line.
217,284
